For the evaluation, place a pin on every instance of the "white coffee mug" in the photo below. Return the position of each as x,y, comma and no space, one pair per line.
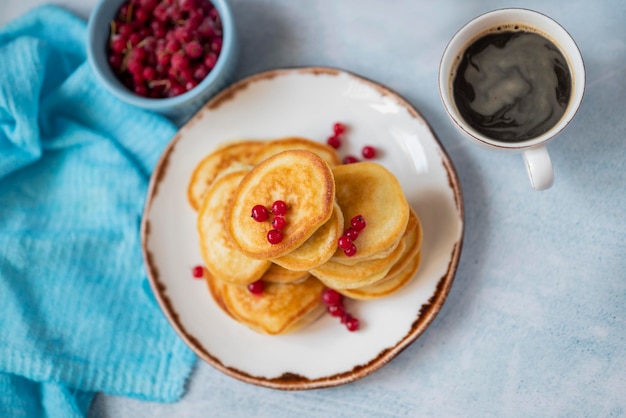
538,163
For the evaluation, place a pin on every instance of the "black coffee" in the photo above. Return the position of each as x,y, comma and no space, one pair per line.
512,85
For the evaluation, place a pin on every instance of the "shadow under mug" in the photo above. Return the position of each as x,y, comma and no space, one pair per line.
536,157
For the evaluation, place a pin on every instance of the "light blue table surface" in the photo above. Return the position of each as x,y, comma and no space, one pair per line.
535,323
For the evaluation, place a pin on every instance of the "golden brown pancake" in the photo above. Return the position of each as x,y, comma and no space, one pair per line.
370,190
221,256
386,287
273,147
299,178
340,276
278,274
318,248
282,308
413,239
210,167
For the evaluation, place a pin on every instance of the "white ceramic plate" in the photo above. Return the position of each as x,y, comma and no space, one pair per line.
304,102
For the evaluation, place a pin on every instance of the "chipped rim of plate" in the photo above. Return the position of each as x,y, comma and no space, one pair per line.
292,381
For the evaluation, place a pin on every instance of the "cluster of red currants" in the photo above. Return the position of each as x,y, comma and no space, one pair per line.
336,139
261,214
164,48
334,303
346,241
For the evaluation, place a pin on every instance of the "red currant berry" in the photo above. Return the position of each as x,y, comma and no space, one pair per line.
278,222
274,236
125,29
279,208
210,60
163,58
259,213
334,141
193,49
148,4
190,84
187,5
118,44
352,324
135,67
134,39
336,310
256,288
331,297
216,45
186,75
200,72
357,223
206,28
160,13
345,317
115,61
339,128
198,272
175,90
368,152
351,233
344,242
175,13
349,159
172,46
351,251
148,73
142,15
179,61
182,34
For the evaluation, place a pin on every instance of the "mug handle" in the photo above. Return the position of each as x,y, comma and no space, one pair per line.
539,167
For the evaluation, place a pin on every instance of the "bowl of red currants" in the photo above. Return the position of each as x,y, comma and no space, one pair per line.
167,56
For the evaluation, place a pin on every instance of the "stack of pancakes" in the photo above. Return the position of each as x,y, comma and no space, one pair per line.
322,197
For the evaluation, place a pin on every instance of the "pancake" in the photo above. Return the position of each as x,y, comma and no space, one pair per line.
210,167
221,256
318,248
370,190
299,178
340,276
386,287
273,147
278,274
413,239
281,309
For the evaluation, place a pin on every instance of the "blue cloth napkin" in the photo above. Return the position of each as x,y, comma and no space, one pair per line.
74,169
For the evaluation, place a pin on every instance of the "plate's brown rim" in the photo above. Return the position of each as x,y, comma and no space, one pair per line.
292,381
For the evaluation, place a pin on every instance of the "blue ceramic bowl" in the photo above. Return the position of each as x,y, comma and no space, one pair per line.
177,108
